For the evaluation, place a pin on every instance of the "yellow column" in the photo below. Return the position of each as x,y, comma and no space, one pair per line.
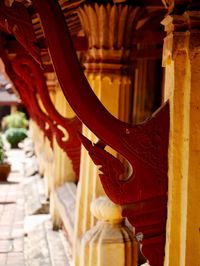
107,64
181,58
62,168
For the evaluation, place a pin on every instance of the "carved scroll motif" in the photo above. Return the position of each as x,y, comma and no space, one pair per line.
31,76
143,195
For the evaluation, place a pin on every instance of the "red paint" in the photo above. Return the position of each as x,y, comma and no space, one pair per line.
30,74
28,95
29,80
16,20
144,195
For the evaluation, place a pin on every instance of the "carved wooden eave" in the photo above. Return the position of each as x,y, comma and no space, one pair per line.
69,9
30,82
20,35
15,20
21,27
143,195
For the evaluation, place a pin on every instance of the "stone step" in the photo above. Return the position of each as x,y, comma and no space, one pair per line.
59,253
65,200
36,248
43,246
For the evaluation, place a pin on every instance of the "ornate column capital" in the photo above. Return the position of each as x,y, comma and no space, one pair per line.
109,29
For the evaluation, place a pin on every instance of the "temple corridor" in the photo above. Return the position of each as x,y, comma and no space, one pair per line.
111,93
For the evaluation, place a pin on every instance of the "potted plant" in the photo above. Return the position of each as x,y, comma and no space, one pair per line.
5,167
15,135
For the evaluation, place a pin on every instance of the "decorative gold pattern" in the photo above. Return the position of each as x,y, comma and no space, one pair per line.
108,26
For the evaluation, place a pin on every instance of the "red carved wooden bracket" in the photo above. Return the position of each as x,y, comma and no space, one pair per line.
27,93
143,195
30,74
28,99
16,20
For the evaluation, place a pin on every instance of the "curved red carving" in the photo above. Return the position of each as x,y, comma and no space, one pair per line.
33,109
29,98
29,70
144,194
16,20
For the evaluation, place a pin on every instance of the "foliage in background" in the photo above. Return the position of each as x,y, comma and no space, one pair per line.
14,127
15,135
15,120
2,151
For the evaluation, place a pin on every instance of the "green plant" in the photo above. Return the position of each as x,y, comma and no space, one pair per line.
2,152
1,156
15,120
5,166
15,135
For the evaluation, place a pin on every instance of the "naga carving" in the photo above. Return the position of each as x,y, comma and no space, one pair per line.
30,75
143,195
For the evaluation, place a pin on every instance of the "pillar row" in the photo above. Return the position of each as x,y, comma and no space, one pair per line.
181,59
107,62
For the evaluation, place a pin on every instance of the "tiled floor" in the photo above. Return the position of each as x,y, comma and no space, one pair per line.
25,239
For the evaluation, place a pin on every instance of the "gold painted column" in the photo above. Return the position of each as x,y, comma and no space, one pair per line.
109,29
181,58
